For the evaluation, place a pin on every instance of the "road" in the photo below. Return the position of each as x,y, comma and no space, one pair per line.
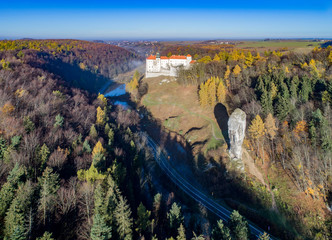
220,211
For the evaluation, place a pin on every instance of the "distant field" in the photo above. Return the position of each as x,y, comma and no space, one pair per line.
278,44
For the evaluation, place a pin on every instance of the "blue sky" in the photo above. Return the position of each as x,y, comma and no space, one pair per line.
168,19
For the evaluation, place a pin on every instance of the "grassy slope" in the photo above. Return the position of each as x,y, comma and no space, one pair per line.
178,108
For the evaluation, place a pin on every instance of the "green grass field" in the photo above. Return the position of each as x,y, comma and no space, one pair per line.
278,44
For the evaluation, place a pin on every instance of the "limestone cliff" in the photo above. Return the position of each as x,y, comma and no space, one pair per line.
236,132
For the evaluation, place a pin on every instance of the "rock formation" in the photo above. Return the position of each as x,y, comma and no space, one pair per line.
236,132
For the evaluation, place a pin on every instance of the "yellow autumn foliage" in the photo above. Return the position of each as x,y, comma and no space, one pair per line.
257,128
100,116
98,149
236,70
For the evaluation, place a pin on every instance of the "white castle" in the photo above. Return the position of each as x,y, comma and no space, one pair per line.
157,65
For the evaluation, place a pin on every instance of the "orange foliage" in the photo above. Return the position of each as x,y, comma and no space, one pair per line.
7,109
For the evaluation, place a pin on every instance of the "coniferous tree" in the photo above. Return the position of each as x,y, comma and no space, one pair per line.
123,219
143,219
46,236
86,146
294,87
99,229
257,128
7,192
58,121
100,118
195,237
93,132
259,88
282,107
266,102
16,220
221,232
239,226
221,92
49,184
44,153
264,236
181,233
305,89
174,217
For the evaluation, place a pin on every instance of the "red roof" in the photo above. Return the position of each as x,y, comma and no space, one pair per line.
177,57
193,61
152,57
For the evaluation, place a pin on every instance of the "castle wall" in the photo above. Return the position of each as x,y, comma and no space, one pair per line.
163,66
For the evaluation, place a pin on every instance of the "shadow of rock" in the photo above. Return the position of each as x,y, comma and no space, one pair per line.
221,115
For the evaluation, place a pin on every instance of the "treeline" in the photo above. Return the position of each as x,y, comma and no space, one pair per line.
287,99
84,64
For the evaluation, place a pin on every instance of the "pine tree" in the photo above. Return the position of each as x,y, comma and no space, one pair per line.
100,117
273,90
239,226
203,95
305,90
294,87
8,190
257,128
270,125
86,146
264,236
123,219
221,232
174,217
102,99
58,121
282,108
46,236
236,70
143,219
216,58
266,102
107,129
181,233
49,184
249,59
44,153
99,229
93,132
110,137
259,88
90,175
98,154
195,237
221,92
16,217
212,89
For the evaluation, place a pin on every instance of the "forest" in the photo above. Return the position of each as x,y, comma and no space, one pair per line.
287,97
83,64
72,165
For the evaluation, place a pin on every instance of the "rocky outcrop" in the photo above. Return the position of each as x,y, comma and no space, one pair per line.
236,132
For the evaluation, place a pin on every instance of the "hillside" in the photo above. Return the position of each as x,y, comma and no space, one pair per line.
83,64
74,166
287,97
